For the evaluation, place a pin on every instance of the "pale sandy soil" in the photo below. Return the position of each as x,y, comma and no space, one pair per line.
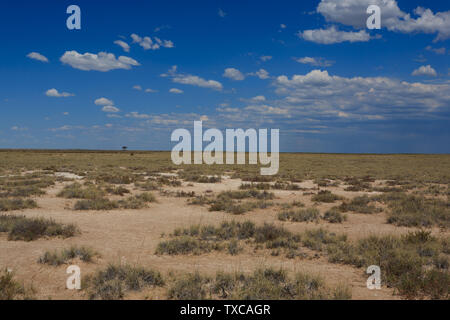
131,236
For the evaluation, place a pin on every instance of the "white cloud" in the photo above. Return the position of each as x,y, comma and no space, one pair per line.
137,87
102,61
123,45
282,26
317,62
111,109
320,94
258,99
197,81
151,44
103,102
191,80
150,90
333,35
137,115
265,58
353,13
425,71
261,73
221,13
55,93
175,90
37,56
233,74
269,110
436,50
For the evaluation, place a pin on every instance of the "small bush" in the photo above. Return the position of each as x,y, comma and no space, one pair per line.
360,205
302,215
16,204
190,287
325,196
28,229
113,282
334,216
57,258
10,289
96,204
77,191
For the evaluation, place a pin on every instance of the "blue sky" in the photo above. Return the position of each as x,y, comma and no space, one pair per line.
137,70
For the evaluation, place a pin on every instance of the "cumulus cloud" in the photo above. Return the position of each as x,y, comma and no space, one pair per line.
333,35
37,56
371,98
123,45
56,94
151,44
353,13
191,79
111,109
233,74
317,62
258,99
176,91
102,61
103,102
261,73
425,71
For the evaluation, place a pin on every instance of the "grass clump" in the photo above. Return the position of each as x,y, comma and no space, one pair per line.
407,262
416,211
56,258
301,215
29,229
263,284
77,191
325,196
116,280
360,205
10,289
334,216
96,204
17,204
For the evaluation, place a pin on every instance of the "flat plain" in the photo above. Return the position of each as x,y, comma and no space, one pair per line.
140,227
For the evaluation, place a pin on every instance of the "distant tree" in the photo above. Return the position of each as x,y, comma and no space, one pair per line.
124,148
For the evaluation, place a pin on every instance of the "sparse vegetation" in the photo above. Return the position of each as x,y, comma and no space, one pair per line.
263,284
10,289
17,204
301,215
116,280
57,258
29,229
416,211
359,205
334,216
325,196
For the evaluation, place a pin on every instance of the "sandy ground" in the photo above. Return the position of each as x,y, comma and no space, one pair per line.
131,236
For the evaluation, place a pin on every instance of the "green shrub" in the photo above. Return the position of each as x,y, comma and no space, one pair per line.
334,216
302,215
360,205
10,289
17,204
116,280
57,258
28,229
325,196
